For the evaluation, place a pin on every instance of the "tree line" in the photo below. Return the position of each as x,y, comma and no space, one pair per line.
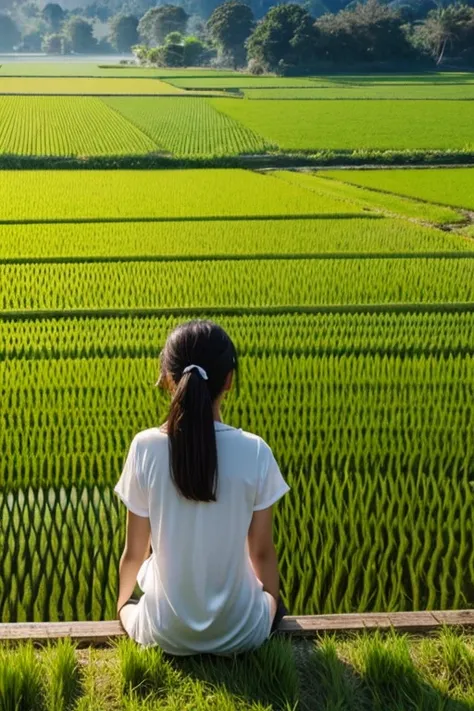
287,39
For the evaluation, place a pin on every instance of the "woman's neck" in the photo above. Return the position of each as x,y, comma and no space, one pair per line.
216,411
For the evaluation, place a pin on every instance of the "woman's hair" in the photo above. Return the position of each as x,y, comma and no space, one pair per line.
190,424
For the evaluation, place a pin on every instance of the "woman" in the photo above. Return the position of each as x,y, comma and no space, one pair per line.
202,492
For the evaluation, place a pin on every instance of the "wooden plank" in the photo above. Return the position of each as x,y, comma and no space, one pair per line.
312,624
90,632
380,620
454,617
306,625
413,621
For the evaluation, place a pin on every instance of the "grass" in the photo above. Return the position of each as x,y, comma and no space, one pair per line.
370,199
190,127
74,85
364,671
66,126
450,186
233,239
352,125
121,194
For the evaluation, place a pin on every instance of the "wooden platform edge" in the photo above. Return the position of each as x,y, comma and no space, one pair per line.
99,633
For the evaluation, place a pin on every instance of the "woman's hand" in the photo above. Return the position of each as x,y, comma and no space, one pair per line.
137,548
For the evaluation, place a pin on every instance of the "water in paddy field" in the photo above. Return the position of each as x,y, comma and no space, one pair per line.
65,59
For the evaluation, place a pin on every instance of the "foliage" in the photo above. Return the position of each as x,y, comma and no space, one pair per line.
367,32
54,15
9,33
123,32
194,50
53,44
286,37
79,35
160,21
229,26
447,30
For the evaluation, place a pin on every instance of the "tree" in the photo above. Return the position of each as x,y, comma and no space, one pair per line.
53,15
31,42
9,33
446,28
79,35
229,26
53,44
285,37
193,51
368,32
160,21
123,32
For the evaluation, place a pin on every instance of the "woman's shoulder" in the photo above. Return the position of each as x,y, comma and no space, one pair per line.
262,448
150,437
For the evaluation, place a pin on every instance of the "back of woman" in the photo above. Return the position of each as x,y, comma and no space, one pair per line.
201,492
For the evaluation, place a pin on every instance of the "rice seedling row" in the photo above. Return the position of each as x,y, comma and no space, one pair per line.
258,335
189,127
119,194
299,282
224,238
53,126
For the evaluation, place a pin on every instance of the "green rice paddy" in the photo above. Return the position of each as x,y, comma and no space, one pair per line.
350,296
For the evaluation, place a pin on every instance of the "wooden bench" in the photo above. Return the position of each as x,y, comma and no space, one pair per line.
97,633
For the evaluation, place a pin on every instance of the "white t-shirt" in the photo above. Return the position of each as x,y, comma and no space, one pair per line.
201,593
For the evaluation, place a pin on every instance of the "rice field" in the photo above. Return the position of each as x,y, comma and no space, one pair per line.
91,69
452,186
235,284
85,86
66,126
102,195
352,310
325,183
223,238
350,125
435,92
189,127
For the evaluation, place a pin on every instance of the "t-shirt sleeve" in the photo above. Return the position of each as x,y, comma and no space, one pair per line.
129,488
271,485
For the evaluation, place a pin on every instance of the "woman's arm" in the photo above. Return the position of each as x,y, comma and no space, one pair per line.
262,551
137,547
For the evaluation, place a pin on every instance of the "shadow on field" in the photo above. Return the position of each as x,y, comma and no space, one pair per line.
269,675
308,675
389,682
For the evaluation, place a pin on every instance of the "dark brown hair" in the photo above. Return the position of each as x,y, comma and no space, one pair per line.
190,424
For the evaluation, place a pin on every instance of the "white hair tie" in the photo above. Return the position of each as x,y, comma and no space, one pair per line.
200,370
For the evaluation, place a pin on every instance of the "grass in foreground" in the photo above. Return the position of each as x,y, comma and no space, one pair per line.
366,671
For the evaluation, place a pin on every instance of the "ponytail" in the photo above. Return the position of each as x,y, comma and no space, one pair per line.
192,439
190,424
